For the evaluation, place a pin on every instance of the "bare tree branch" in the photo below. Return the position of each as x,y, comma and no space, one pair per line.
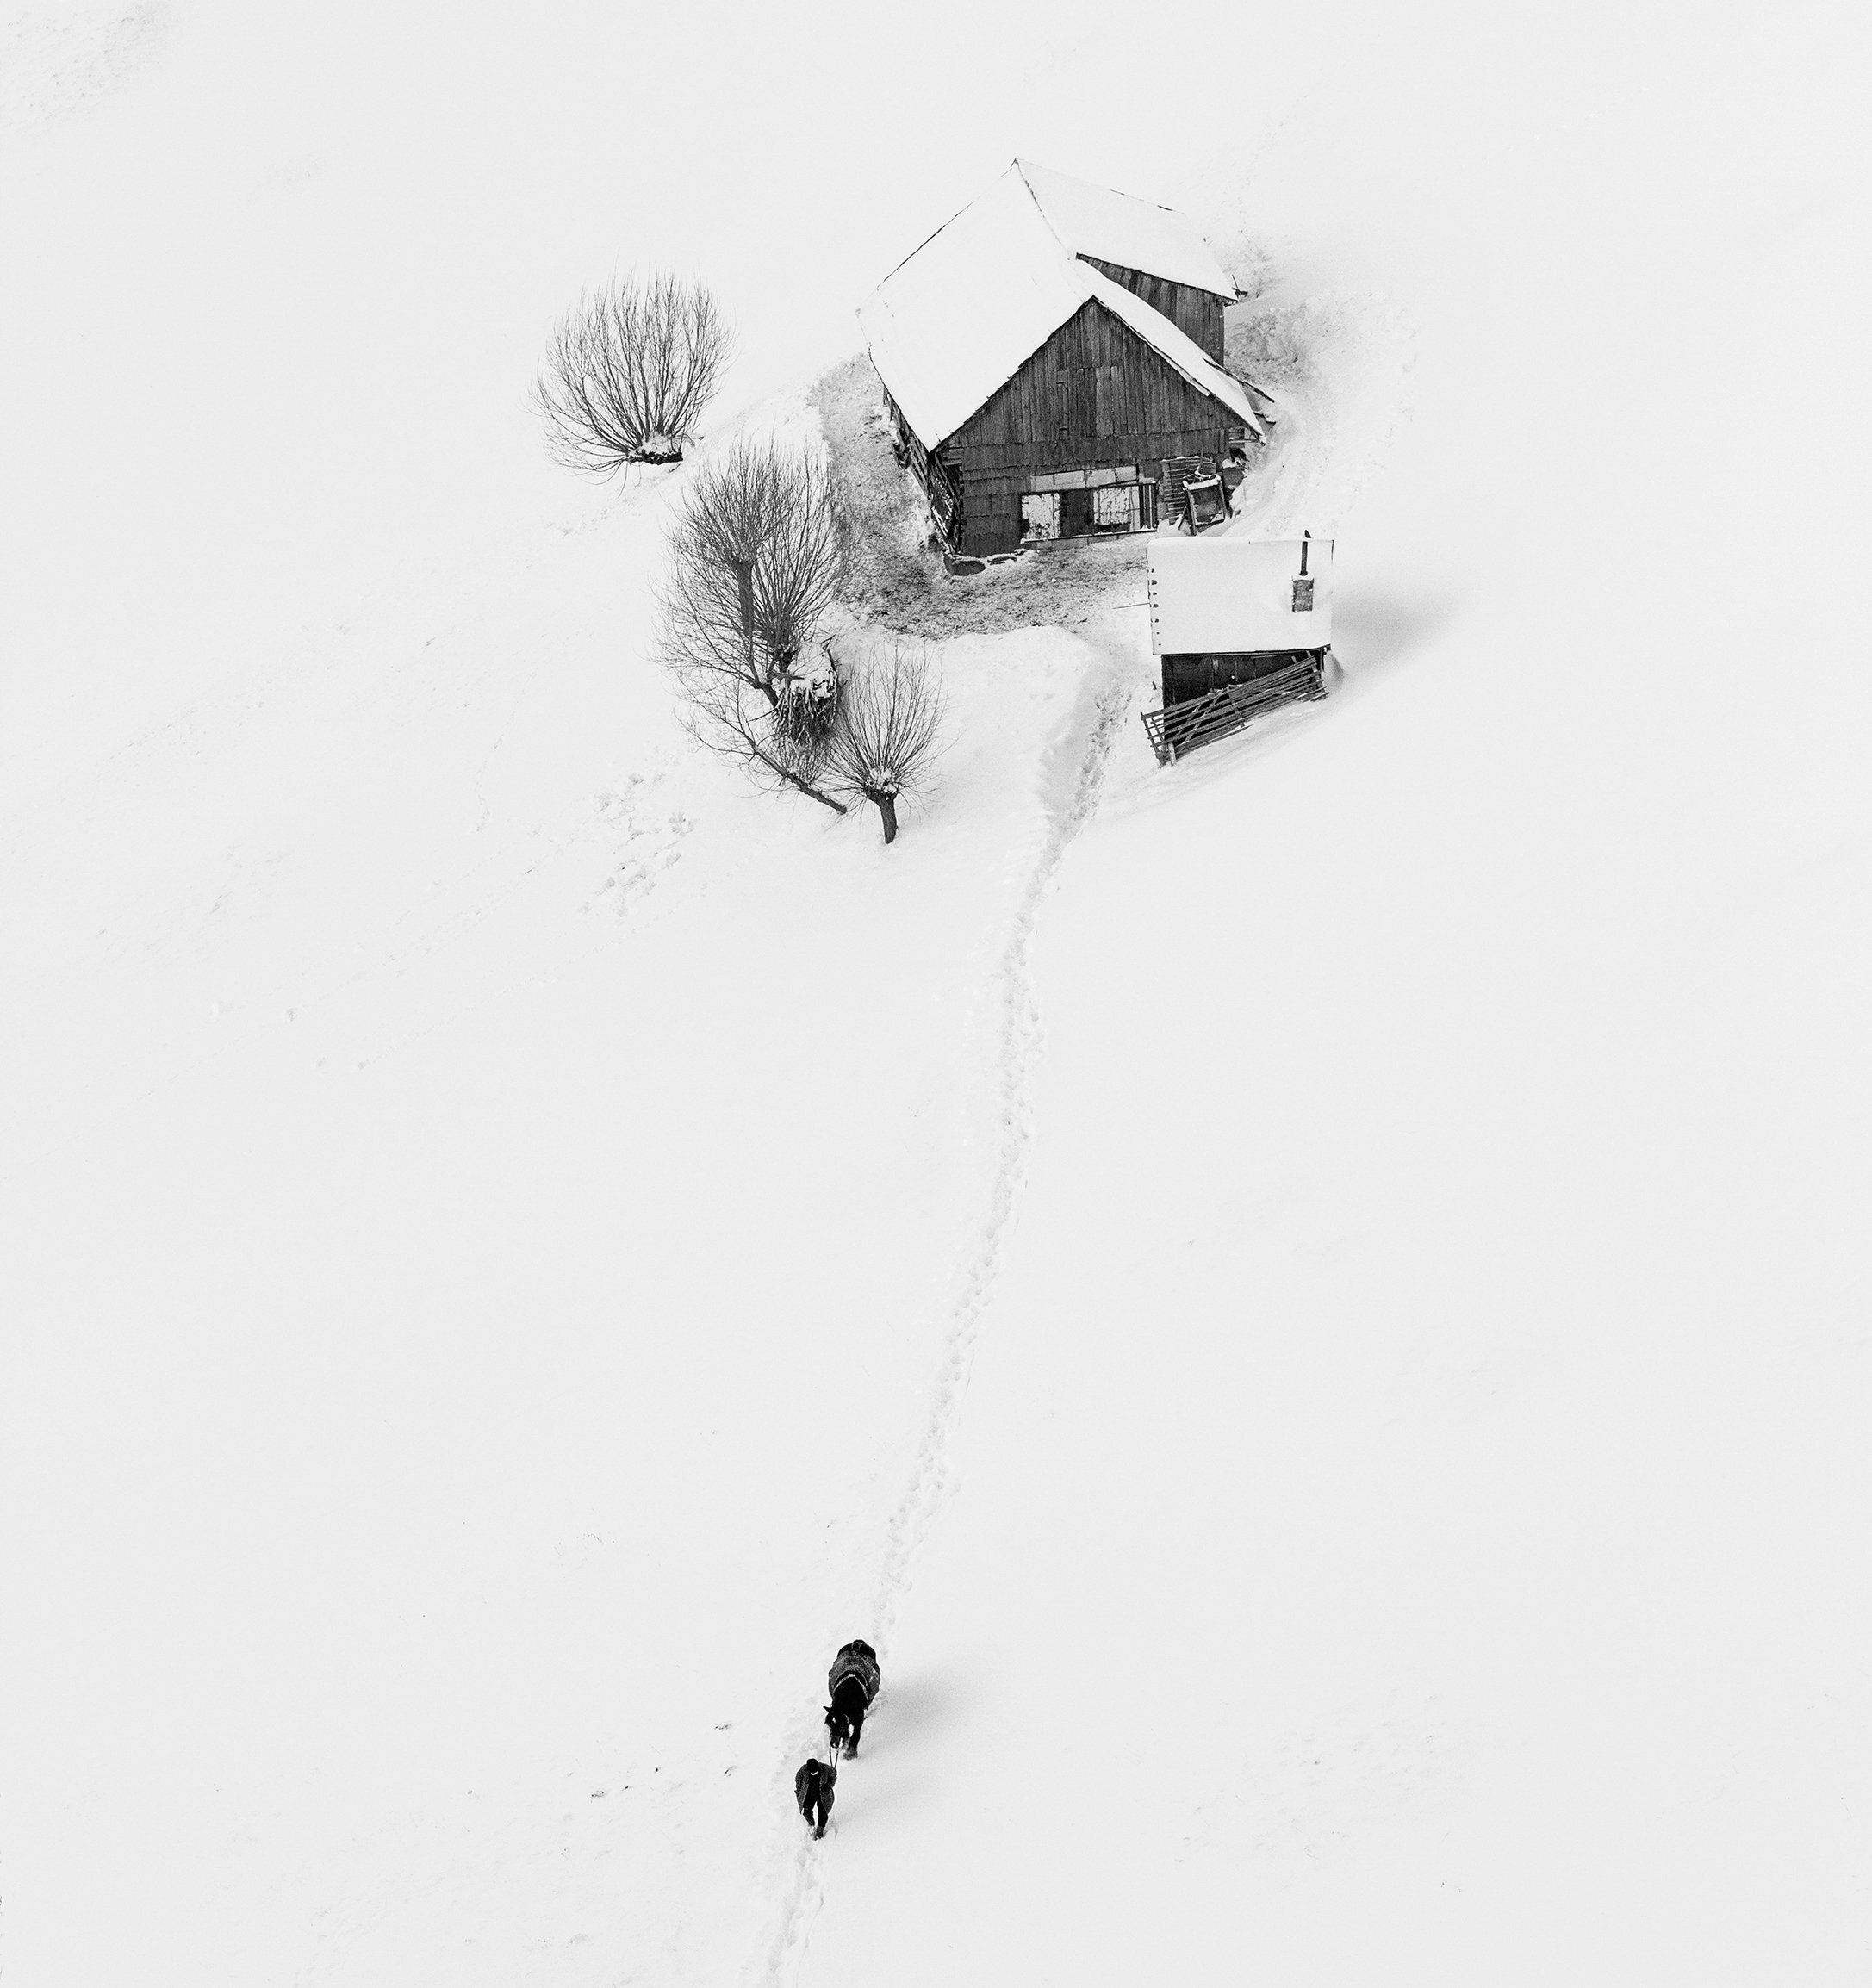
720,714
628,371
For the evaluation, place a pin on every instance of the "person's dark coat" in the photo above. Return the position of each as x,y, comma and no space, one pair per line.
813,1790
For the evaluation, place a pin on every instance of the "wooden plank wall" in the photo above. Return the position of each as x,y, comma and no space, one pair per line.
939,480
1193,311
1094,393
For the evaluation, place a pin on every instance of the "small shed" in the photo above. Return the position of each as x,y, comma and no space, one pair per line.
1239,626
1051,360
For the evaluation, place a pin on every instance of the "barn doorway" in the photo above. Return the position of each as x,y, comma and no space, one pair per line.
1088,504
1098,510
1039,515
1114,508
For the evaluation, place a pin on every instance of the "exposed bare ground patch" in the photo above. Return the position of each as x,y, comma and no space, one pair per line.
901,584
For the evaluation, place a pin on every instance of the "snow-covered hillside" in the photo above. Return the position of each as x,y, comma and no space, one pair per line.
1312,1304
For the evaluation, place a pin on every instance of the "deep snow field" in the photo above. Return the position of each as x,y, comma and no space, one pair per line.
1314,1304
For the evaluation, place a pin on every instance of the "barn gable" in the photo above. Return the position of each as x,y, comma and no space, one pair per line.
1094,391
1197,313
1096,406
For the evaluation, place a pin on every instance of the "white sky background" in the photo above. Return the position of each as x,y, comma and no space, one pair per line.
396,1433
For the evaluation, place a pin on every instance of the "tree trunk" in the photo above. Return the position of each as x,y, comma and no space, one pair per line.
887,808
744,583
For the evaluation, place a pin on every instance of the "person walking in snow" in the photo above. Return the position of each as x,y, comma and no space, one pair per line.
813,1790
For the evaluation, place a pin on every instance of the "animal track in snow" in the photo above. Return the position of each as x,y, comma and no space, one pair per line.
1099,723
646,841
58,59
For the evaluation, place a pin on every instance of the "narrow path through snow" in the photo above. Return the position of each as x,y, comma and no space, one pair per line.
1117,678
1081,755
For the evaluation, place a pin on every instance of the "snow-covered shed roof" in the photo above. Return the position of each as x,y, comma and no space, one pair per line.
959,317
1116,227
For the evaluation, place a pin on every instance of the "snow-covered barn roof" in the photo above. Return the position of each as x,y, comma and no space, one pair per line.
1116,227
959,317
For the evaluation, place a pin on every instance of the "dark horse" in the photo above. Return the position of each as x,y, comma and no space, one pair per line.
813,1789
853,1681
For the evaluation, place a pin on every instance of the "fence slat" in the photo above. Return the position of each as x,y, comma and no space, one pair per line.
1180,728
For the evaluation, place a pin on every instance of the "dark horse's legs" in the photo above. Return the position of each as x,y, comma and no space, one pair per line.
845,1716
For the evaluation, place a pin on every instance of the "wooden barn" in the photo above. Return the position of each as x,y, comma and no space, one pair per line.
1052,362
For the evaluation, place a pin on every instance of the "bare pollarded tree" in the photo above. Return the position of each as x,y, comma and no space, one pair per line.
760,549
889,730
628,371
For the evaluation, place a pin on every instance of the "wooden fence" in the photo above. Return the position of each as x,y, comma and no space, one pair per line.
1180,728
